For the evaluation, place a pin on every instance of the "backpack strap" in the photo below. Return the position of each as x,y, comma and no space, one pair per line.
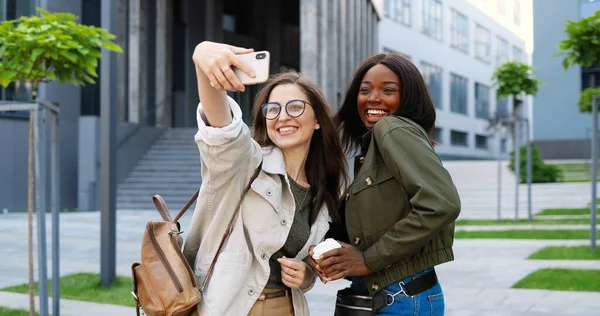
229,229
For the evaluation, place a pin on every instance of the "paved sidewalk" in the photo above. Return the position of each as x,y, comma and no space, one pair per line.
477,283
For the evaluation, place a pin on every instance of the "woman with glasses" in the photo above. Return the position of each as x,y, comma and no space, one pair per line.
261,269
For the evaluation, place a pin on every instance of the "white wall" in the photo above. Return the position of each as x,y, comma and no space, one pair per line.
419,47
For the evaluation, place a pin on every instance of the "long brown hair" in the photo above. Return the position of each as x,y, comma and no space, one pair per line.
326,164
415,102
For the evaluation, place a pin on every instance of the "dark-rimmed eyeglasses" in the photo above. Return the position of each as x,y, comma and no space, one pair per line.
293,108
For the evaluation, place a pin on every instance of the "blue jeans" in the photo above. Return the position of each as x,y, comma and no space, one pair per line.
427,303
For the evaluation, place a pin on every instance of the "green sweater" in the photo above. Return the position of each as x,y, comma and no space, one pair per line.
298,236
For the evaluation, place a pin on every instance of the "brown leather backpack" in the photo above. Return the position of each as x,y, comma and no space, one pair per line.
164,283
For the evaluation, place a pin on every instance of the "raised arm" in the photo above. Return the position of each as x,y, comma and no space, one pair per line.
213,62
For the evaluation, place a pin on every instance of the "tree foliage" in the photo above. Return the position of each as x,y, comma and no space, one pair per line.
586,99
582,44
49,47
513,78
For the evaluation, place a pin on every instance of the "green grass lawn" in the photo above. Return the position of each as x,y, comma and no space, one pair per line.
86,287
13,312
561,280
565,211
566,221
526,234
575,172
566,253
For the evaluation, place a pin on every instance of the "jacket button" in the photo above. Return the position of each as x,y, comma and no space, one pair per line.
356,240
283,222
361,159
347,197
250,292
375,287
263,256
368,181
269,193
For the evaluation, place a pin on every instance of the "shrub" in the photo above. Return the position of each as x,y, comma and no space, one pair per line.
540,171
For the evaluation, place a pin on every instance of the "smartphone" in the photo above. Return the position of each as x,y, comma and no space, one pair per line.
259,62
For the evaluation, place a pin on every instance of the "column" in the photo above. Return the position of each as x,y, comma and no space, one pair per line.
164,11
350,35
324,53
343,50
137,61
121,76
333,67
309,38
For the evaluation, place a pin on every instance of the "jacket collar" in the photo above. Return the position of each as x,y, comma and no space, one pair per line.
365,142
273,161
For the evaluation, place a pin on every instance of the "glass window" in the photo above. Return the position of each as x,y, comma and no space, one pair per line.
397,10
438,136
460,31
432,19
482,43
502,50
459,138
517,12
458,94
501,7
517,54
433,78
501,107
481,141
482,101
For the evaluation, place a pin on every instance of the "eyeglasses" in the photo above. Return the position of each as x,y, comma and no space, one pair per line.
294,108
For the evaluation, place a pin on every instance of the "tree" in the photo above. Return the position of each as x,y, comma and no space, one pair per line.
582,47
514,79
41,49
586,99
49,47
582,44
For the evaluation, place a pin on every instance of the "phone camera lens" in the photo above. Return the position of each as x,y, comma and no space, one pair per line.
261,56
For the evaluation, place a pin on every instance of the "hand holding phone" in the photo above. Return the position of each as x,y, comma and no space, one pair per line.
258,62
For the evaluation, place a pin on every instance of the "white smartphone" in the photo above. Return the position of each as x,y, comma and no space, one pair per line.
259,62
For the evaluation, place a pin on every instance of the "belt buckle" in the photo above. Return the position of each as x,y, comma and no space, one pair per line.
391,298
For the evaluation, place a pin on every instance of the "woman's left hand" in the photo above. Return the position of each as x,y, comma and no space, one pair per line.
343,262
295,274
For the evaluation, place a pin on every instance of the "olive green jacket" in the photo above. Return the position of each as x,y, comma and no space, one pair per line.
401,207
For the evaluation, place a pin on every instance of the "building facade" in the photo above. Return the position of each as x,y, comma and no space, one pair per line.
155,78
560,130
457,44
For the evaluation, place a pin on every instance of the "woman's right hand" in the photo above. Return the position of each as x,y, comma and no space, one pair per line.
215,61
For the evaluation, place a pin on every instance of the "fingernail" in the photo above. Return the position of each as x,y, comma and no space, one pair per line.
253,74
328,279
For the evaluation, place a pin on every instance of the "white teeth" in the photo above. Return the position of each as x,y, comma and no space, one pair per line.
287,129
377,112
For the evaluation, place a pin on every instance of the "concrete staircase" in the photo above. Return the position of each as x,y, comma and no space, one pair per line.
170,168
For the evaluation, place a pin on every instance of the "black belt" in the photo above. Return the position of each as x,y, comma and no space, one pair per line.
412,288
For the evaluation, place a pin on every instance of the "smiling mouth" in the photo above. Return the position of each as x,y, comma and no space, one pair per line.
376,113
286,130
